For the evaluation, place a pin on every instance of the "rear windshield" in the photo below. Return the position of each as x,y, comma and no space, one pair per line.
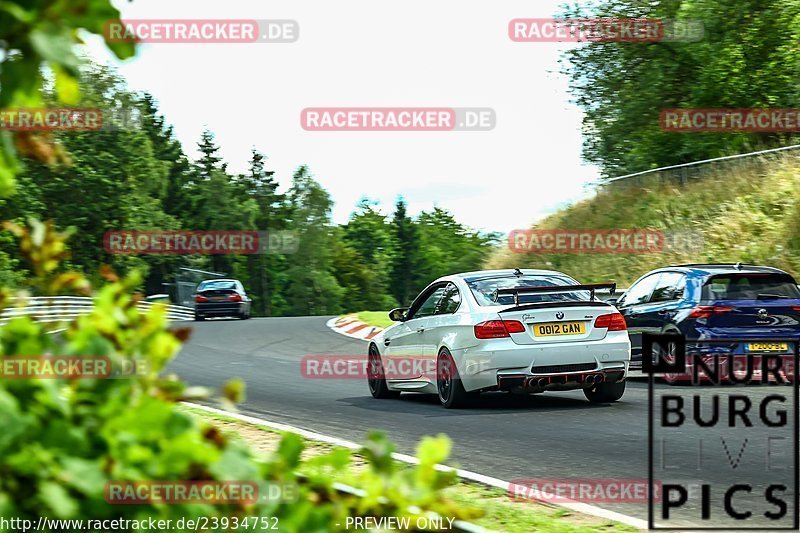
483,289
750,287
216,285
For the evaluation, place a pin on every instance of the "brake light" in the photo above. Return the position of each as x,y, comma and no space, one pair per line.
796,308
199,298
235,298
705,311
612,321
514,326
497,329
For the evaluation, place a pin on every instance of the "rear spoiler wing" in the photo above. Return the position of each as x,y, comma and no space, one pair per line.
592,287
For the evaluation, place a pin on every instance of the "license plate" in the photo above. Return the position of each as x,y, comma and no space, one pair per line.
558,328
767,346
217,298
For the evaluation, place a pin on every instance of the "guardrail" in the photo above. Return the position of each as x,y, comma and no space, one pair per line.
66,308
685,171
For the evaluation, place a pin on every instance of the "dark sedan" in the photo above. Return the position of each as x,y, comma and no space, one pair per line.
221,297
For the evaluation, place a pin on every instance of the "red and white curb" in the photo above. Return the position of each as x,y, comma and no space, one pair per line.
352,327
488,481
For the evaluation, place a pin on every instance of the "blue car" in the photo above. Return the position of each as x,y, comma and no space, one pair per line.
756,308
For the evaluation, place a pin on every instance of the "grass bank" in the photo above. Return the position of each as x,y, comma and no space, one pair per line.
749,214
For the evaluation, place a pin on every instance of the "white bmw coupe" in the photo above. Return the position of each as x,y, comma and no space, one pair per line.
522,331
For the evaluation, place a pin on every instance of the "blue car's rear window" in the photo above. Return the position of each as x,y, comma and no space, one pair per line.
750,287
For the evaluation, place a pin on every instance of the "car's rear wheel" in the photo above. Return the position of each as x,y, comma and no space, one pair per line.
448,383
605,392
376,377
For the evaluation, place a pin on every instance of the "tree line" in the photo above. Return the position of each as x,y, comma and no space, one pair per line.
140,178
746,59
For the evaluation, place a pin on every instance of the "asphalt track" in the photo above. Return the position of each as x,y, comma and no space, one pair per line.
551,436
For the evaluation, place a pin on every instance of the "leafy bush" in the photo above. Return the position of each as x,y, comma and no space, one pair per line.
62,441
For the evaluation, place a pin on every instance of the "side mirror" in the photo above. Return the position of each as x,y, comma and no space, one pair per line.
398,314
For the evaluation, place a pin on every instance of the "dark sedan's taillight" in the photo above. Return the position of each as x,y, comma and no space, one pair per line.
235,298
200,299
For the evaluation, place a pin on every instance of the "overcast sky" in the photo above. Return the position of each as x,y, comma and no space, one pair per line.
359,53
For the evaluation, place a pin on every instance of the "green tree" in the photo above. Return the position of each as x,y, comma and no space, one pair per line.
264,269
448,247
219,201
210,160
311,287
176,198
746,59
370,236
407,254
36,35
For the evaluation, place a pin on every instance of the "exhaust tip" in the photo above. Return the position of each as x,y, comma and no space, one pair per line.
589,379
542,382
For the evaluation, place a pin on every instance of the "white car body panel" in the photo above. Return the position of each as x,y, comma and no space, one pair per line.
483,363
